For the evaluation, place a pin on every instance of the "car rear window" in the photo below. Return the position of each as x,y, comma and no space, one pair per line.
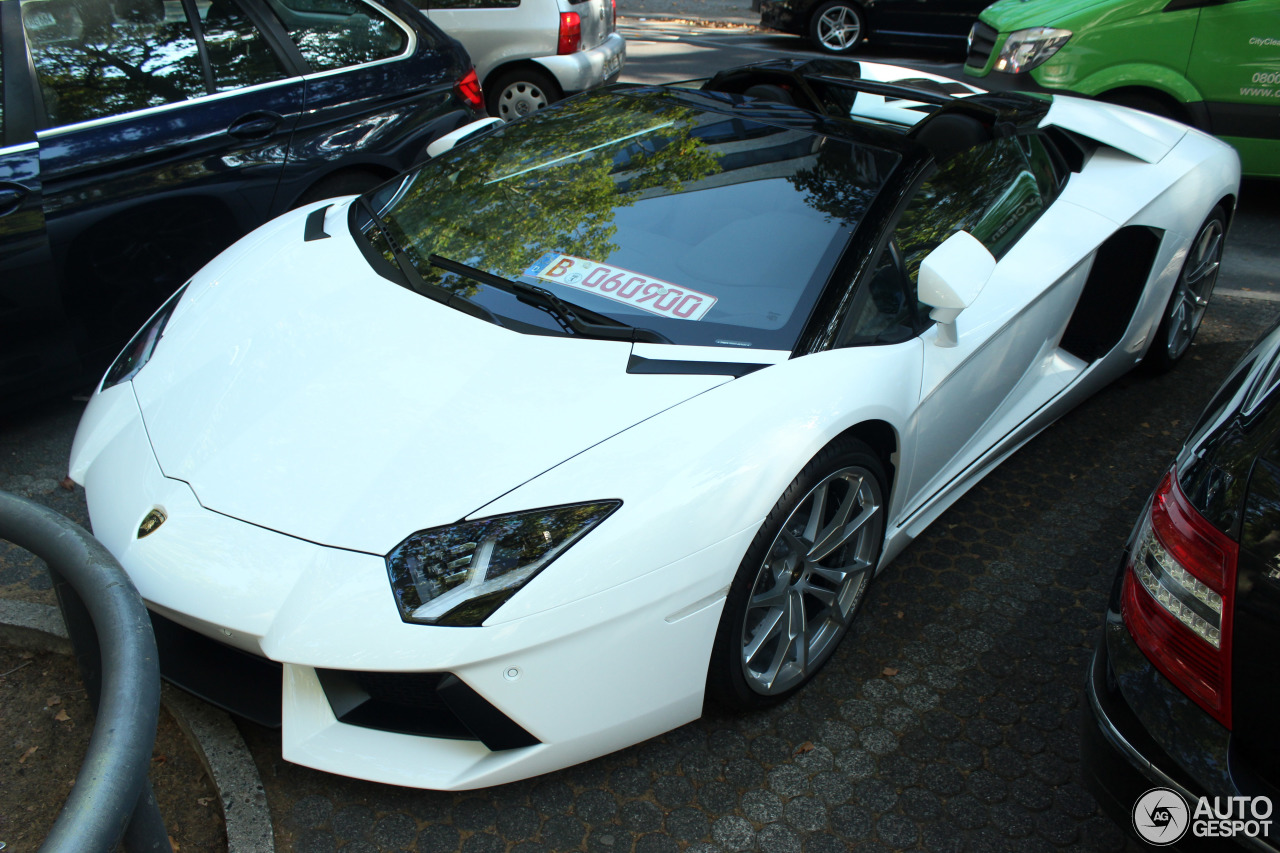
340,33
708,228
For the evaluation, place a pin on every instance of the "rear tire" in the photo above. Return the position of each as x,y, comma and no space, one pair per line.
802,580
1190,298
519,92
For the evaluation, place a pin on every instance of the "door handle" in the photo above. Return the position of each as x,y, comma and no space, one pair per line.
11,196
255,125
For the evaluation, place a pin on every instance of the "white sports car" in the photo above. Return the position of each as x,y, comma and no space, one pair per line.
615,410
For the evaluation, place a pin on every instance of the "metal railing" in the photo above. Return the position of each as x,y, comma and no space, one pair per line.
114,646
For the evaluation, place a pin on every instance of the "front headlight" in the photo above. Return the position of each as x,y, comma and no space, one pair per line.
139,350
1026,49
459,574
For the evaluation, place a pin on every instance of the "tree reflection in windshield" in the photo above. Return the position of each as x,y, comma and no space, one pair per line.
97,58
500,206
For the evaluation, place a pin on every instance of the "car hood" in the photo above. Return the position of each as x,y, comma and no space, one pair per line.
1009,15
299,391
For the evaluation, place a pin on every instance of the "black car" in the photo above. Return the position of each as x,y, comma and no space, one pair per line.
1181,743
839,26
138,138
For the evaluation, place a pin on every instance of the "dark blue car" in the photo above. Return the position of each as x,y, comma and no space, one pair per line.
138,138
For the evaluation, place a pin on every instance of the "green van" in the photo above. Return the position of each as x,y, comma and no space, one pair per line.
1214,64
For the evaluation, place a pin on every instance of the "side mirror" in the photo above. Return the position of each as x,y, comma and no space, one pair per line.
453,137
951,277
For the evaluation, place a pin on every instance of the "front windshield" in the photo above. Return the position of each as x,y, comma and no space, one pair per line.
707,228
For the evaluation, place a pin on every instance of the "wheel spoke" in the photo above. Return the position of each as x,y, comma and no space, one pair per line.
817,509
775,596
768,628
841,529
838,575
798,546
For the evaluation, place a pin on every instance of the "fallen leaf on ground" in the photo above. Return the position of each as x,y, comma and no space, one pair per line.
62,716
807,746
900,614
889,670
30,752
67,483
53,700
204,801
159,759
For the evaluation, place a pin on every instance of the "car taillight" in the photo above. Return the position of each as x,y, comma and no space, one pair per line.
469,88
614,19
570,33
1178,597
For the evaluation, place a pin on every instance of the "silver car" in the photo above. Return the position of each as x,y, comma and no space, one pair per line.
529,53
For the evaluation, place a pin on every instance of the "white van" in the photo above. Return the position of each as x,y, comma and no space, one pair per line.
529,53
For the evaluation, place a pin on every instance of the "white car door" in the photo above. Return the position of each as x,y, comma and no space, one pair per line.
1005,363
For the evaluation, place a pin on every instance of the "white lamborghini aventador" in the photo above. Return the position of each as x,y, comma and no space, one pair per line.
605,413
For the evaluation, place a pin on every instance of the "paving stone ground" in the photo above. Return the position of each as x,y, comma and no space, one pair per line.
949,721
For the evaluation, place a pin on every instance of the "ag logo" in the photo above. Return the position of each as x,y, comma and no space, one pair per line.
1160,816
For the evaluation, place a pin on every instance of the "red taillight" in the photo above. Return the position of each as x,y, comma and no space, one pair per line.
570,33
469,88
614,19
1178,598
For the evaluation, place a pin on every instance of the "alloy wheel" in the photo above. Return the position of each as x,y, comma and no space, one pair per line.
812,578
1194,287
839,29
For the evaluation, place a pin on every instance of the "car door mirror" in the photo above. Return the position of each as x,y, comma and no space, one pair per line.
444,143
951,277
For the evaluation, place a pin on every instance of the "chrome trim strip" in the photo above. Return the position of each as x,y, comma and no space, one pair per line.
201,99
18,149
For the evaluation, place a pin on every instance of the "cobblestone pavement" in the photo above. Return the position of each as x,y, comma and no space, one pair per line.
948,722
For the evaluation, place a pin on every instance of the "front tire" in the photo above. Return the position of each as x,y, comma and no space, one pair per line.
836,27
1190,298
802,580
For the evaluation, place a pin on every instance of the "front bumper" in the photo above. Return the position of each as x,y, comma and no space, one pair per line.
581,680
586,69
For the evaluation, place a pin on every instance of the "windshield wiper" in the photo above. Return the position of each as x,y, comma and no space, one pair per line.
414,280
563,311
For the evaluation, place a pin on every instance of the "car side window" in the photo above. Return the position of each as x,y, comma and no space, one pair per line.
339,33
884,311
238,53
98,58
995,191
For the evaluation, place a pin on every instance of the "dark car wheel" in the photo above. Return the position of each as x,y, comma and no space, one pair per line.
519,92
837,27
802,580
1190,297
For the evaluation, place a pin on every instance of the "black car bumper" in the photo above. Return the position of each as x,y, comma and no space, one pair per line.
1121,760
781,15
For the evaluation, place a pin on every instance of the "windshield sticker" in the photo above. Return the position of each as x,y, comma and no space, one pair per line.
630,288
